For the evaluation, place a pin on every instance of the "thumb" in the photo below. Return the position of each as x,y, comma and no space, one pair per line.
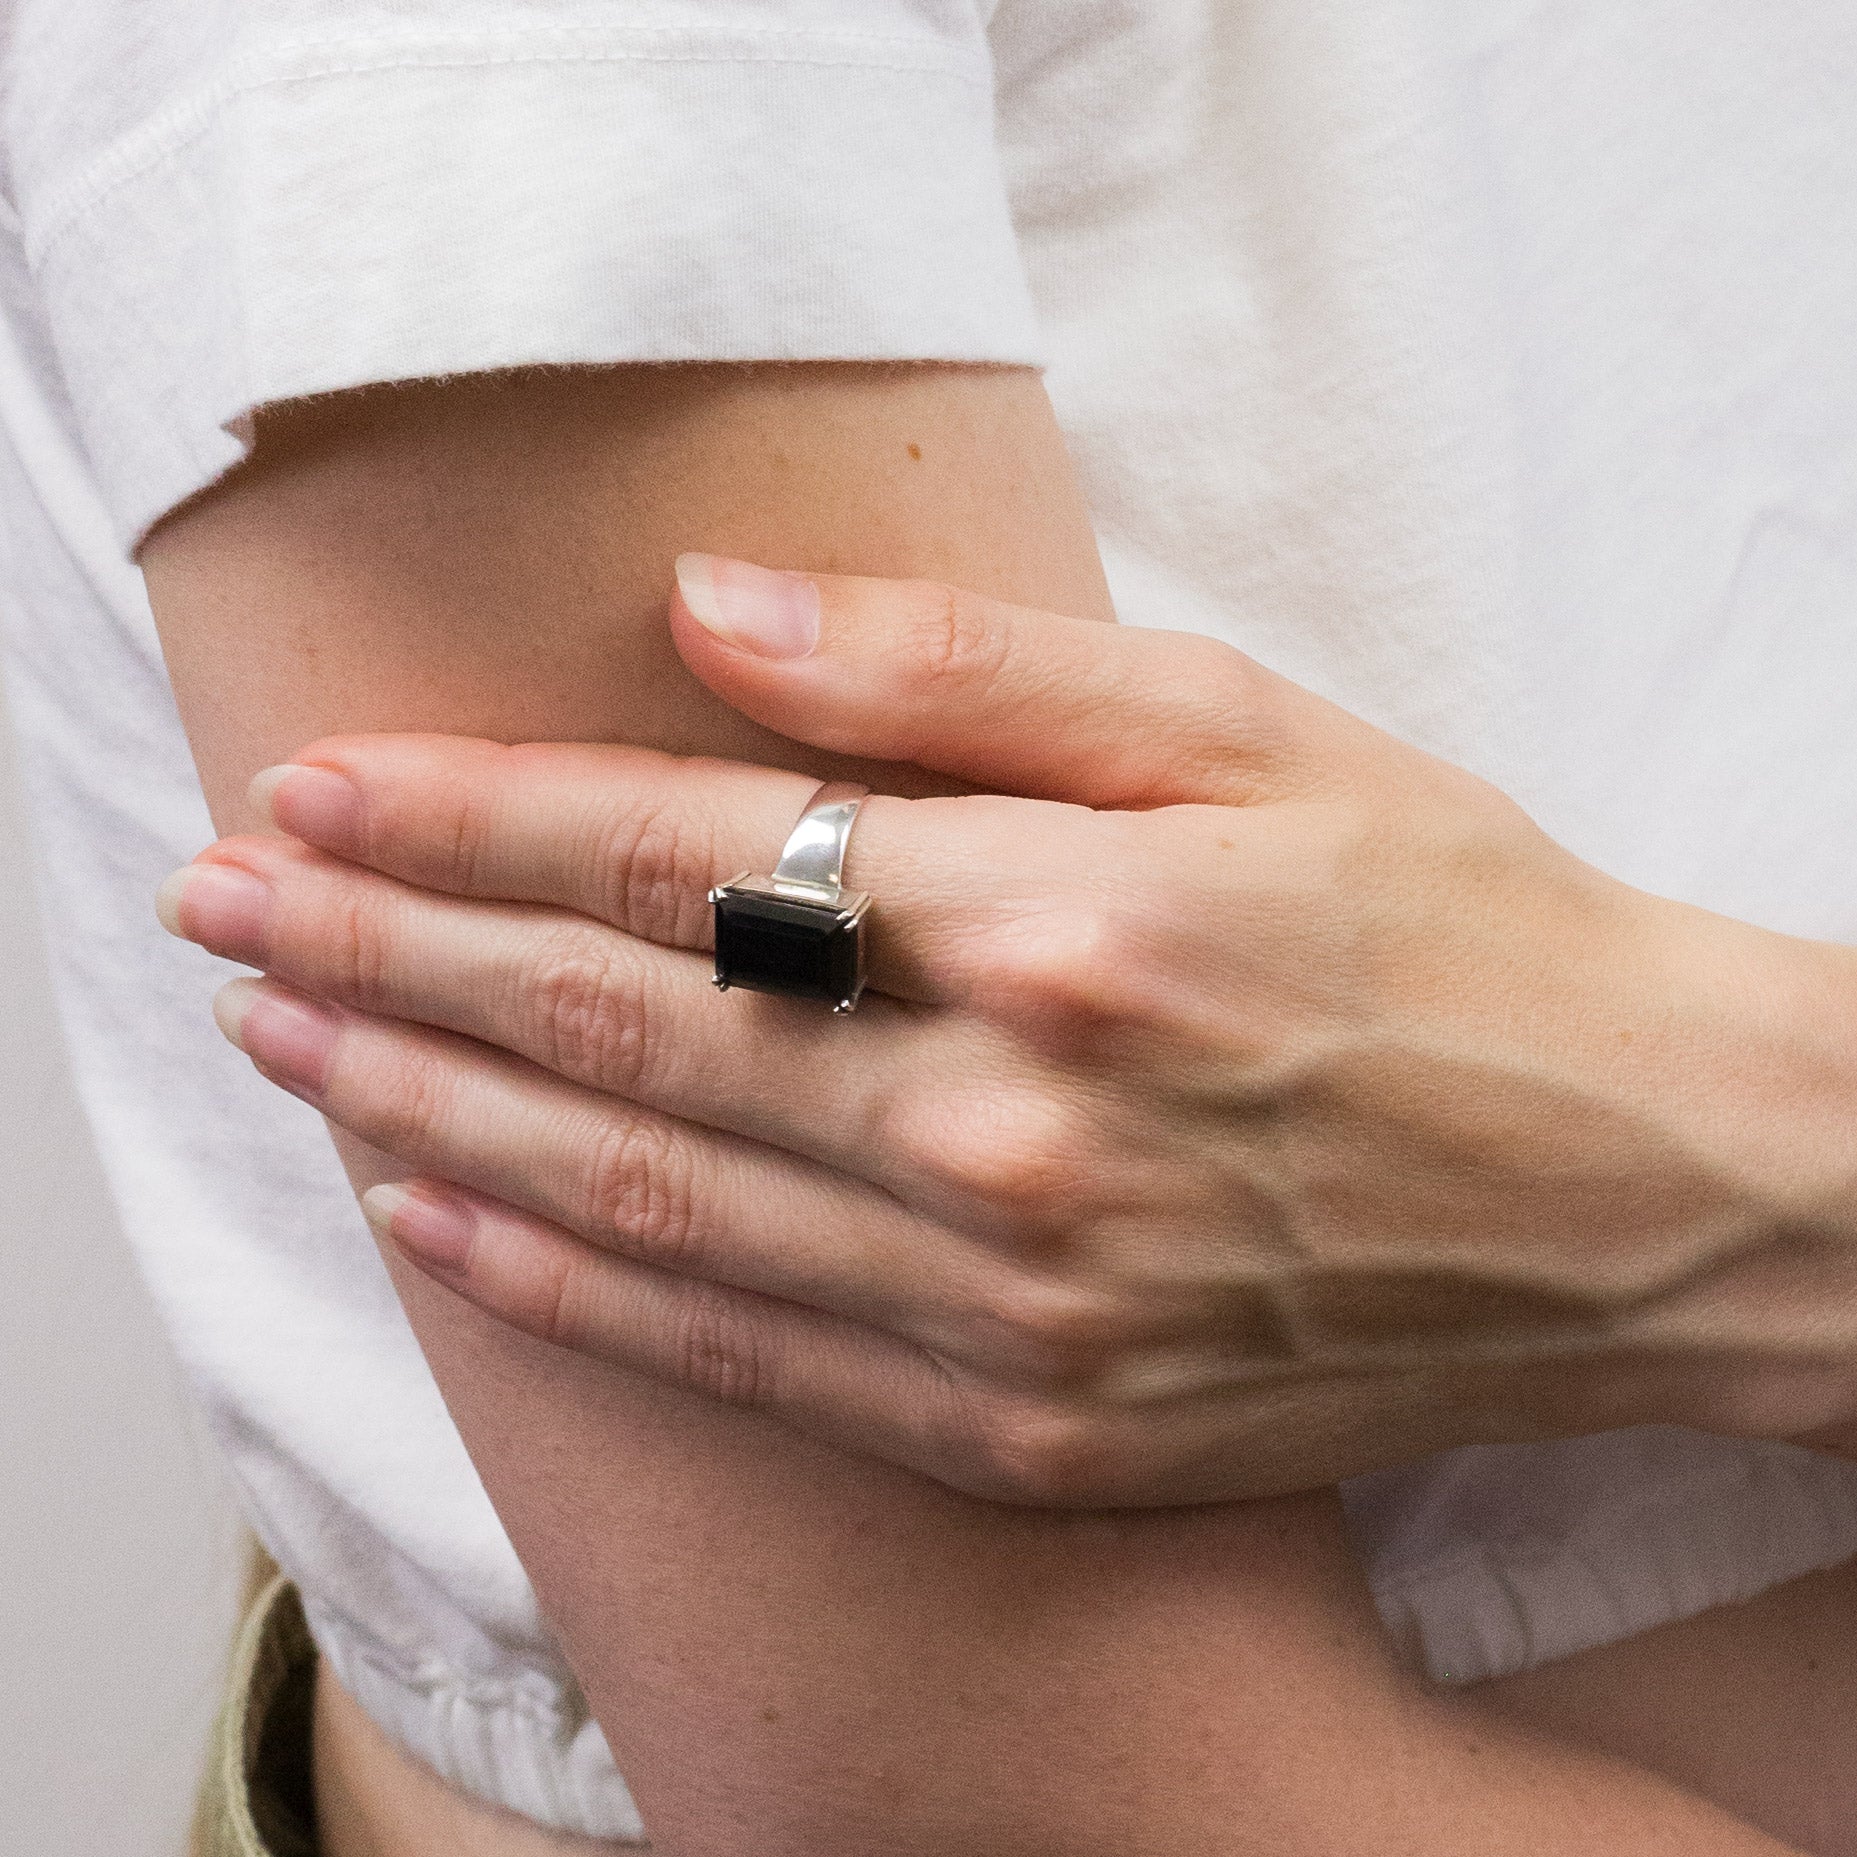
1004,697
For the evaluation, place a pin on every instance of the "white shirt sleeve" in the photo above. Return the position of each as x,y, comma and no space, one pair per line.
225,205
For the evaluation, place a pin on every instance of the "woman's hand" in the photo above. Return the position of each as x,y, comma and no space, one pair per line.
1248,1101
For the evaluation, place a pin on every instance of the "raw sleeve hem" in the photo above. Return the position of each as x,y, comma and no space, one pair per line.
335,215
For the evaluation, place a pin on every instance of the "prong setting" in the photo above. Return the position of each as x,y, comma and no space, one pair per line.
791,939
799,931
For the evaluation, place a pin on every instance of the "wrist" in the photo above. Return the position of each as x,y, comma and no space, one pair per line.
1759,1077
1777,1078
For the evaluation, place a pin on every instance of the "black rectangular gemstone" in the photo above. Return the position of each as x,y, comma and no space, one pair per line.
783,944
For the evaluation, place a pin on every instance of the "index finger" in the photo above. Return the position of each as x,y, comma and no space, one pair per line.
637,838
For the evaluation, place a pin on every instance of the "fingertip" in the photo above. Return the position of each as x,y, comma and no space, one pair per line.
168,901
693,576
263,788
816,672
319,805
434,1231
380,1203
767,612
232,1003
291,1037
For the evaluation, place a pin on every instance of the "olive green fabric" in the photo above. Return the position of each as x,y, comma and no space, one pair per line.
257,1799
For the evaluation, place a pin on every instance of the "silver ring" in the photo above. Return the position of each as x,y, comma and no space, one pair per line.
798,930
813,857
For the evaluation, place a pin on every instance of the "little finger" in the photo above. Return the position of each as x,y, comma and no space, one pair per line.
635,1182
852,1386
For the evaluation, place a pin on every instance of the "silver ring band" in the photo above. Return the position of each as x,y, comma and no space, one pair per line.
813,858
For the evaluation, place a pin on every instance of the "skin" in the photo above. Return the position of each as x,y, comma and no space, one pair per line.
864,1658
1294,1109
1754,1705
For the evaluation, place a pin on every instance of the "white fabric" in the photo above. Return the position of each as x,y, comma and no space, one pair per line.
1491,367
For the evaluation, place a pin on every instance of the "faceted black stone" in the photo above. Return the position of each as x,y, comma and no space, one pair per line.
779,944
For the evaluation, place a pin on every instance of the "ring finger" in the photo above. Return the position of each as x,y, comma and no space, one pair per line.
646,1186
597,1007
636,839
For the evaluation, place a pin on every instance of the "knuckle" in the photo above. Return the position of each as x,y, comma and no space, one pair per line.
630,1182
956,636
359,933
652,1209
1244,691
1258,724
718,1350
587,1007
1056,979
563,1302
652,857
465,845
1058,1335
1041,1452
1017,1158
403,1101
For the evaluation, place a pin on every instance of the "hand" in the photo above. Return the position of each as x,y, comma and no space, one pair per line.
1252,1101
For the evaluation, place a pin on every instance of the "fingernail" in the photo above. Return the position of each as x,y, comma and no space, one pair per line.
290,1038
220,906
315,804
435,1231
756,609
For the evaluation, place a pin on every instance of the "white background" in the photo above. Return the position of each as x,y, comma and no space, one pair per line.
119,1555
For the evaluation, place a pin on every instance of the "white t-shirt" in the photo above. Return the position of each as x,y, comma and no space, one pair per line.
1489,366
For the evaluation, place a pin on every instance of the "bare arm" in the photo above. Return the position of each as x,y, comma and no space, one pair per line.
826,1655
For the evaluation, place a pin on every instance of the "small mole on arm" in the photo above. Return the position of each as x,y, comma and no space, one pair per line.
915,451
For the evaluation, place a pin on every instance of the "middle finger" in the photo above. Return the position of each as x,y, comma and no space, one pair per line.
600,1008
